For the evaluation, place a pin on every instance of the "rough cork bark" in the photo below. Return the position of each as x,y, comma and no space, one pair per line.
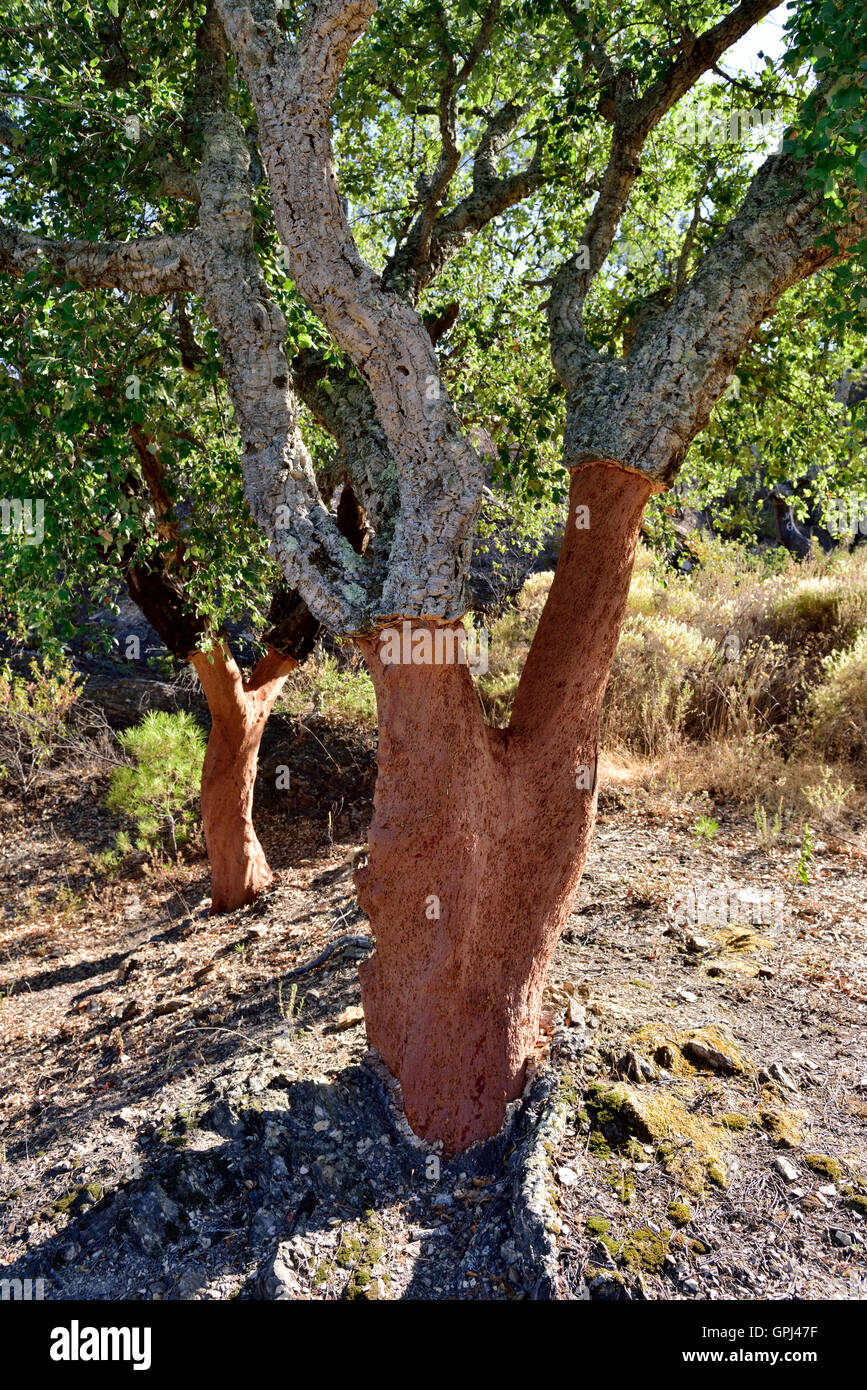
479,835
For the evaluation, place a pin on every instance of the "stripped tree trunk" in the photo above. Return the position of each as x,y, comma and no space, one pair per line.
239,711
480,835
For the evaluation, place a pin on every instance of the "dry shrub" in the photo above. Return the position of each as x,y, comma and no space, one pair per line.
651,687
36,715
836,708
752,771
508,645
831,606
739,769
756,690
746,678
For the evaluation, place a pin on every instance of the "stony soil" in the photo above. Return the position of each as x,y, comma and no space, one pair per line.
187,1111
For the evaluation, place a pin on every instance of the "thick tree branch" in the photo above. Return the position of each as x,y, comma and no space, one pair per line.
175,182
150,265
643,413
341,402
278,473
429,246
433,189
698,58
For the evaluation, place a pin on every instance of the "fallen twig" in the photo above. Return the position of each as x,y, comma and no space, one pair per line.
329,951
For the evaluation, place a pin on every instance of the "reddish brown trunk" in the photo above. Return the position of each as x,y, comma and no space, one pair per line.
487,828
239,712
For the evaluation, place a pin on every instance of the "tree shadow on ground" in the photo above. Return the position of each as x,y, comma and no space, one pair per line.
314,1172
243,1024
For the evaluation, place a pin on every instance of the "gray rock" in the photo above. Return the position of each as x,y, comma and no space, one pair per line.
786,1169
632,1066
569,1042
191,1281
264,1225
841,1238
154,1219
276,1279
782,1077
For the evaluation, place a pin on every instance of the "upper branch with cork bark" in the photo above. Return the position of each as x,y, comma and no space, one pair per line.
433,240
217,260
278,472
433,187
644,412
439,472
147,265
634,116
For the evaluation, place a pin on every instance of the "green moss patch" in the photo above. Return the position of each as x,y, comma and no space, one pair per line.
640,1249
623,1184
361,1252
734,1121
826,1167
680,1213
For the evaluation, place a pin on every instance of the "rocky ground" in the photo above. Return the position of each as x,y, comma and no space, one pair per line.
188,1110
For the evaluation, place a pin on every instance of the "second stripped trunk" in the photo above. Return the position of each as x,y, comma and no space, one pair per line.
239,711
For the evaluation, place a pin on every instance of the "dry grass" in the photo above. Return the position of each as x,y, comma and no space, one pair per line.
746,679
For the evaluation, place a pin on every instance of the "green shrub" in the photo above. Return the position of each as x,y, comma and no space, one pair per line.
35,716
705,828
324,688
159,789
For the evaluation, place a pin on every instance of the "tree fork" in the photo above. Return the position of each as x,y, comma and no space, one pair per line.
479,835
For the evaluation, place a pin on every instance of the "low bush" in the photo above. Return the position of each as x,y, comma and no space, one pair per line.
836,708
327,688
158,790
652,683
35,718
757,661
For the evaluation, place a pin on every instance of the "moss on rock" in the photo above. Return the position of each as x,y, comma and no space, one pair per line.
686,1051
680,1213
690,1146
786,1127
361,1252
826,1167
